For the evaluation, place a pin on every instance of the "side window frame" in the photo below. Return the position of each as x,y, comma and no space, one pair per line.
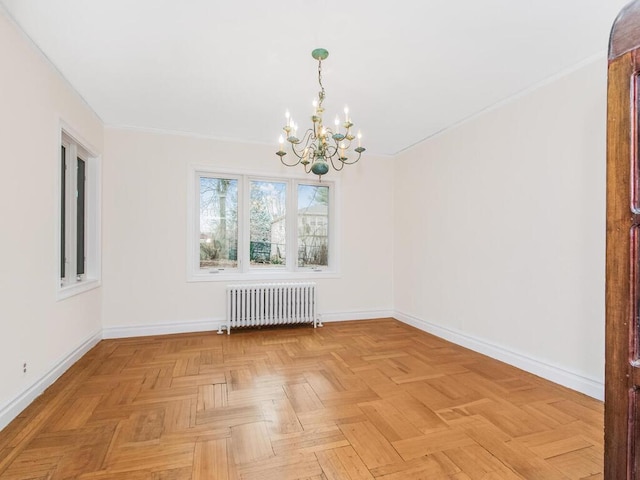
79,215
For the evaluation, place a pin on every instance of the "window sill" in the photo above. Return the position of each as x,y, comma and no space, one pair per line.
283,276
77,288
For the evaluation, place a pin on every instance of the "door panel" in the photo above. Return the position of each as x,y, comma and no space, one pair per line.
622,371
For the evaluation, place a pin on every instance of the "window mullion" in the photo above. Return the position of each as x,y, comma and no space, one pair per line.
292,225
243,224
195,245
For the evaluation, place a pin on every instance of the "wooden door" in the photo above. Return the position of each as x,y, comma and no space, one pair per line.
622,383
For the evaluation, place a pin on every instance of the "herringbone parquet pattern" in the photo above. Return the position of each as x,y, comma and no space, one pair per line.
354,400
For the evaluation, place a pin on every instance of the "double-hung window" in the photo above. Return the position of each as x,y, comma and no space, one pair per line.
78,218
251,226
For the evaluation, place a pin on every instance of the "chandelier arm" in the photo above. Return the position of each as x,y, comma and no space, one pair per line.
347,162
307,166
340,163
332,150
306,140
338,147
297,162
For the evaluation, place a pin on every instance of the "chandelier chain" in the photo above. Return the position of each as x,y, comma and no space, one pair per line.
321,93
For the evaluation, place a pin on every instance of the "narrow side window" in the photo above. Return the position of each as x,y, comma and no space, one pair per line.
79,222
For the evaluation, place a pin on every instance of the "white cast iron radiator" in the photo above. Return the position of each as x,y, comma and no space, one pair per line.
270,304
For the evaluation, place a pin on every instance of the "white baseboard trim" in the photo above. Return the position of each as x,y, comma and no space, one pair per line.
207,325
554,373
356,315
191,326
13,408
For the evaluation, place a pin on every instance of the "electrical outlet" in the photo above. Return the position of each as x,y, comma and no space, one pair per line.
24,367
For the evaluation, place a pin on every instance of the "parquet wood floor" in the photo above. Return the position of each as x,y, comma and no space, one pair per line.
354,400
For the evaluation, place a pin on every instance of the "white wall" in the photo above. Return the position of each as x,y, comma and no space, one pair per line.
145,244
500,231
34,326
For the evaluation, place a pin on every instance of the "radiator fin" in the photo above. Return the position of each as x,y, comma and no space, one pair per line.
256,305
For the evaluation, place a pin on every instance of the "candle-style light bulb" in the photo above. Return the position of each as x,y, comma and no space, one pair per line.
281,142
337,122
359,137
346,114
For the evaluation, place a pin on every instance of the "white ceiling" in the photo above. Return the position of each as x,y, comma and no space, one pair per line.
406,68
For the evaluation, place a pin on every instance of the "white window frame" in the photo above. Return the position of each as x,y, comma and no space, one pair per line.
73,284
244,271
240,206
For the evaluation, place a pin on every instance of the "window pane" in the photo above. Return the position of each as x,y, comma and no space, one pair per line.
218,223
80,202
63,209
267,223
313,225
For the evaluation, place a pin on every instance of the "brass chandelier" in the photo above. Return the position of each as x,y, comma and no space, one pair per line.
320,145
